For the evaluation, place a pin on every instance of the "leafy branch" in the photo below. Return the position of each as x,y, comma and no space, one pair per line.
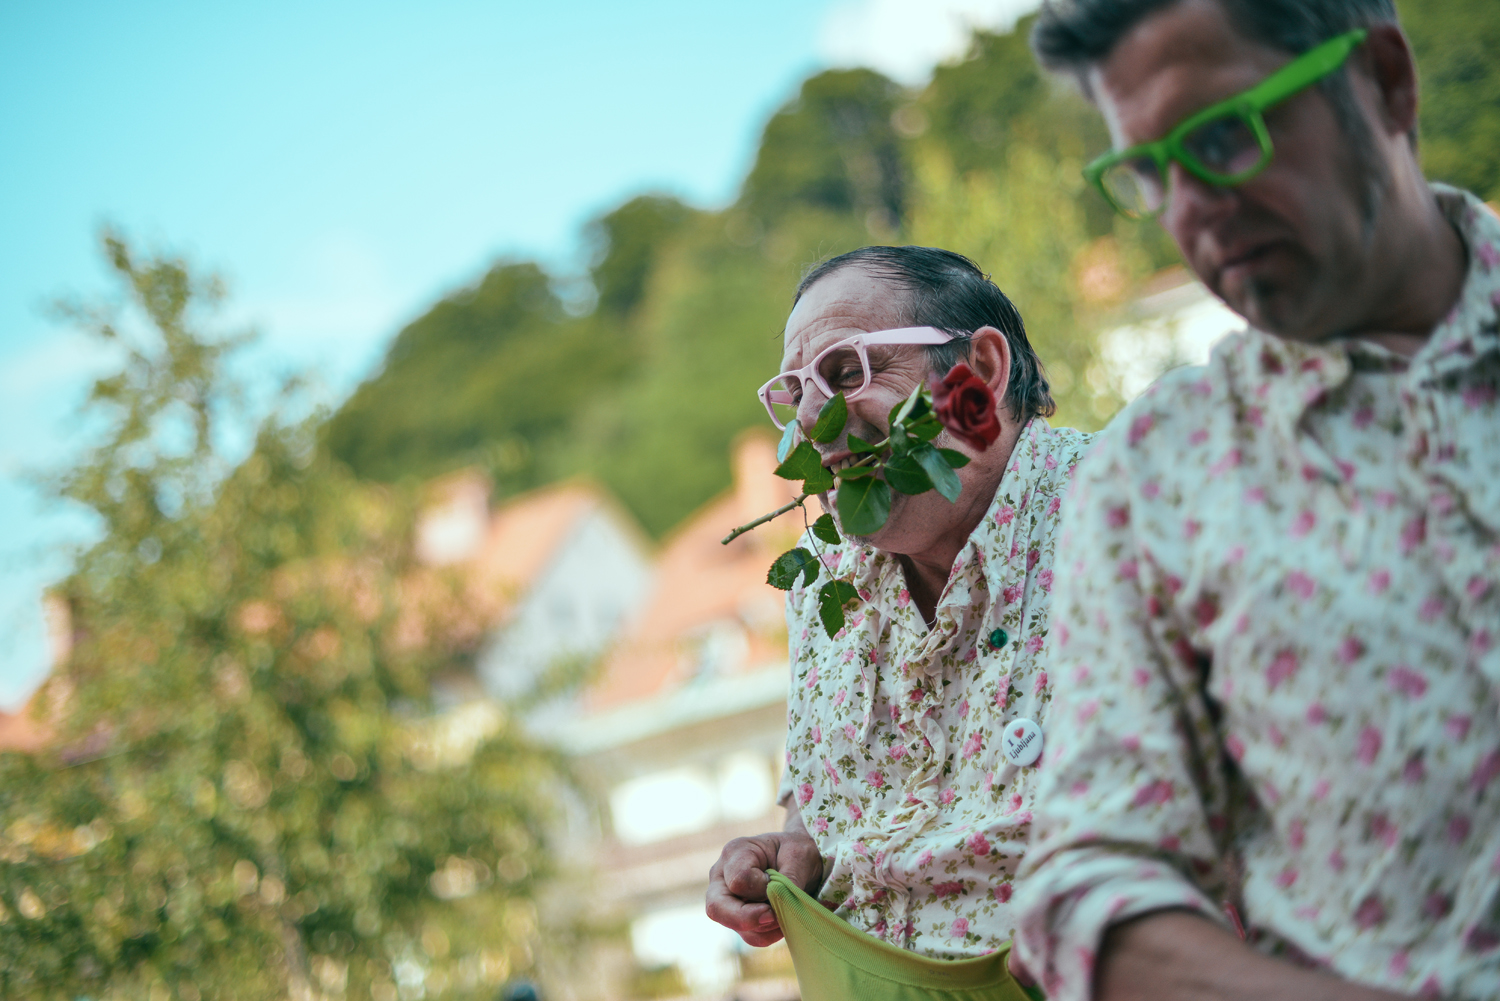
905,461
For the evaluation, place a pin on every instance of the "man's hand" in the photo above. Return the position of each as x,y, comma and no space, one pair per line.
737,882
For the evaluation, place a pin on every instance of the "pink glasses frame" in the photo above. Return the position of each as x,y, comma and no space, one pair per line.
861,343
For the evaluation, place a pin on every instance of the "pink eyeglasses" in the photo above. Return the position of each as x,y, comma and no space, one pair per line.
839,365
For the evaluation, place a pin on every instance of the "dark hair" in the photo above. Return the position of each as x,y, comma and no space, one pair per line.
948,291
1073,35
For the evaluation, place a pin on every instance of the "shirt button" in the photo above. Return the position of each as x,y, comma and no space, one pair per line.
998,639
1022,742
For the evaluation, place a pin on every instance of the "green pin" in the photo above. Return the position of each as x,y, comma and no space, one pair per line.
998,639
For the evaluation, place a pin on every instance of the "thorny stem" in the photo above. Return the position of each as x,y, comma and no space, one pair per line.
800,500
763,519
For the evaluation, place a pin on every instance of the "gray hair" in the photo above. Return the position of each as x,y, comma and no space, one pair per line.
948,291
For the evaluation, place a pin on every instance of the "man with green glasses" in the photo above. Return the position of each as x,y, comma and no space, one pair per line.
1280,625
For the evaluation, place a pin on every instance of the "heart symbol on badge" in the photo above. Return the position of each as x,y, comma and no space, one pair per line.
1023,742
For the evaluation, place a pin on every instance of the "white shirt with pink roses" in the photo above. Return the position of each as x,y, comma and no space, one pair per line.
1277,631
893,743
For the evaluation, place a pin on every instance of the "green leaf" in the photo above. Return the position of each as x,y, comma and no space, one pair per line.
944,479
807,465
926,429
900,411
825,529
859,446
832,597
831,420
921,409
788,437
900,443
864,505
818,482
855,472
955,459
802,463
784,572
904,474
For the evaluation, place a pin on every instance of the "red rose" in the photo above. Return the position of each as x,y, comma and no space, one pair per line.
966,407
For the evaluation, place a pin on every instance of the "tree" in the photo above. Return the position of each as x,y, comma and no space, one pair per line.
246,797
485,377
1025,225
1456,44
832,148
628,245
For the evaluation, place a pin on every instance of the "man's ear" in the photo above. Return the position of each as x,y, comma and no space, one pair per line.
1391,67
989,357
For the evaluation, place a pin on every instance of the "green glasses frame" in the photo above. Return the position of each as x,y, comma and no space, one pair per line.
1299,74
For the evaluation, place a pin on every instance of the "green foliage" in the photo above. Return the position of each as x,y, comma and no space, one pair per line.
709,325
825,530
997,97
789,566
831,420
833,596
1457,44
486,377
832,148
1024,221
235,807
863,505
628,243
805,463
936,464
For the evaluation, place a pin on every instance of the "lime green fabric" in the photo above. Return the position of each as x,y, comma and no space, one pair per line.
838,963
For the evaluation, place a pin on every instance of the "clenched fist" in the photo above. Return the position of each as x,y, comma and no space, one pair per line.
737,882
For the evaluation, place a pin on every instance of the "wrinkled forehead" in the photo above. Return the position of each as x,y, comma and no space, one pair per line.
839,305
1176,62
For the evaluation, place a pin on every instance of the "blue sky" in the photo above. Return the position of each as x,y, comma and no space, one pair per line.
343,165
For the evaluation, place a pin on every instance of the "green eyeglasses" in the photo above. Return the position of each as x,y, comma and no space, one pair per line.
1224,144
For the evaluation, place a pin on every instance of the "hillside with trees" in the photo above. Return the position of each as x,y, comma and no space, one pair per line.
645,391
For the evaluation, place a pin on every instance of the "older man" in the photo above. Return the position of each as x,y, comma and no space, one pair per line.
1279,598
906,815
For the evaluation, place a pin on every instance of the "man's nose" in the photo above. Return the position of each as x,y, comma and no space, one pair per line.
1193,203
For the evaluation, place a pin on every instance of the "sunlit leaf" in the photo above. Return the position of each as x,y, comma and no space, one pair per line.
859,446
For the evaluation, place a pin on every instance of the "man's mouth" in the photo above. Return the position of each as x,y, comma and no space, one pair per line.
1245,256
843,462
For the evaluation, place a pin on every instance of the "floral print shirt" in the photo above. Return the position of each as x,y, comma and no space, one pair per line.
1277,634
893,742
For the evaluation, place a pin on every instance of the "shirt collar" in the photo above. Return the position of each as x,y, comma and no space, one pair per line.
1291,376
882,582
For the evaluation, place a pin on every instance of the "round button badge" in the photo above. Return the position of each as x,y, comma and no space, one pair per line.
1022,742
